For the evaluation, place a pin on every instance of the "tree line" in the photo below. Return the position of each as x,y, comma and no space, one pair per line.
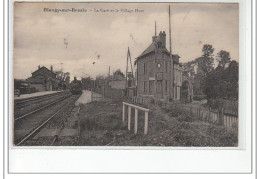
215,82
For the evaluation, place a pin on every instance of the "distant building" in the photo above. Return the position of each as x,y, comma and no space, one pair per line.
43,79
120,84
154,74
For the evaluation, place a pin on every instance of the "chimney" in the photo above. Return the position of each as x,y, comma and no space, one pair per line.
51,68
154,38
39,67
162,36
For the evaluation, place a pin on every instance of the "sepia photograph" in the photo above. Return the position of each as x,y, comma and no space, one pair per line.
125,74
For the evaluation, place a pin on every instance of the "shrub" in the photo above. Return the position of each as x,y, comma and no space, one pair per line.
199,97
174,109
185,118
214,103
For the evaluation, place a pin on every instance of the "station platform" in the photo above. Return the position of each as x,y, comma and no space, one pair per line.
84,98
23,96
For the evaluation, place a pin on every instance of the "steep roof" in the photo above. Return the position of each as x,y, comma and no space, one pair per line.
41,68
152,48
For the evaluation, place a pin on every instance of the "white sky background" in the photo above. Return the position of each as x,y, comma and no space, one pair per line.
39,36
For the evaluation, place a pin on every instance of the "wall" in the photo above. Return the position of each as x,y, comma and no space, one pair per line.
144,77
38,87
162,76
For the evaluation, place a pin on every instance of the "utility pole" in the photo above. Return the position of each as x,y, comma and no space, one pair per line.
126,70
155,29
171,62
155,71
128,60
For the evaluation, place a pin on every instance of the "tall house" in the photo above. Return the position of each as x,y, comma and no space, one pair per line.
154,74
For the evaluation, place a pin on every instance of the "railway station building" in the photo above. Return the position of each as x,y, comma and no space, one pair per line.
43,79
154,74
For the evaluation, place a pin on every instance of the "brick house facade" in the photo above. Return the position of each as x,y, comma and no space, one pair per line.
153,71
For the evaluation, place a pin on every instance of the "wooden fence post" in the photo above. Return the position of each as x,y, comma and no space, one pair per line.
79,123
136,116
221,115
145,122
136,119
199,113
103,93
123,118
129,117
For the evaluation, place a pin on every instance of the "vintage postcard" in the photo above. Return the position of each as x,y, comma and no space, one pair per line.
125,74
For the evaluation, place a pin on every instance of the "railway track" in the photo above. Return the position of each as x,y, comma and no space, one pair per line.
30,124
29,105
43,107
28,101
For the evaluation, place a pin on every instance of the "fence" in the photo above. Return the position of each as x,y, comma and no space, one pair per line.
226,115
220,117
136,116
141,100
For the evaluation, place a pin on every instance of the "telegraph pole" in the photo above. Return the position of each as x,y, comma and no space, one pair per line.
155,71
155,29
171,62
126,70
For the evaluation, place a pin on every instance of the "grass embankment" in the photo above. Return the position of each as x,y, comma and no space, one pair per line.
101,124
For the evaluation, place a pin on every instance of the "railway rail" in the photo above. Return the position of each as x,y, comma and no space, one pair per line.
43,107
32,105
28,101
30,124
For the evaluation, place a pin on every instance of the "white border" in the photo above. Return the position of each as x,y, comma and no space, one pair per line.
183,160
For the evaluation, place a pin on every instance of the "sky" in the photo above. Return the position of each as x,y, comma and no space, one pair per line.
102,33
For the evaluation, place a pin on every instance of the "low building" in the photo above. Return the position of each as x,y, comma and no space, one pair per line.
117,84
154,74
43,79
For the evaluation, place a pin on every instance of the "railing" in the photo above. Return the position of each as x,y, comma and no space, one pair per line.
136,116
141,100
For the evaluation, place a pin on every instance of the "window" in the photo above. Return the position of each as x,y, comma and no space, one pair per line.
175,89
166,86
145,66
151,86
166,66
159,86
144,86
